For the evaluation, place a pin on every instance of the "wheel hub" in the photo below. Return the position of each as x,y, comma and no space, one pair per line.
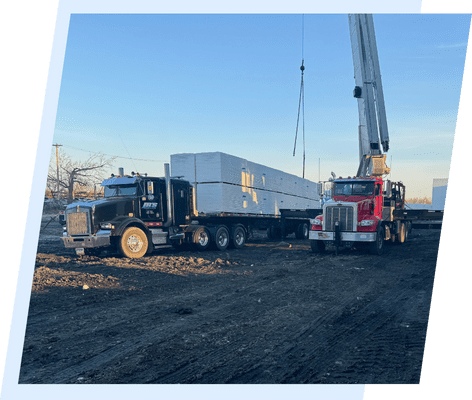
203,239
135,244
222,239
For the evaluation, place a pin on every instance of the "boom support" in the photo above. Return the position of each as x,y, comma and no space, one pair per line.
369,94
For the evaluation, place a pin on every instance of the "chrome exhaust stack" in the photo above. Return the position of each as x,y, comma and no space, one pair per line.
168,196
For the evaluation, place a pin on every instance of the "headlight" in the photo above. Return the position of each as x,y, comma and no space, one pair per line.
367,222
106,225
317,221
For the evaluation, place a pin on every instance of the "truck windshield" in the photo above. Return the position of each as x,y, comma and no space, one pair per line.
125,190
354,188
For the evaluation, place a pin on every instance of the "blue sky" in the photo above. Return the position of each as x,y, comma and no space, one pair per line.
147,85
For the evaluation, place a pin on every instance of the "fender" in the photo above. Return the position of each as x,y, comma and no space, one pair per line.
122,223
378,227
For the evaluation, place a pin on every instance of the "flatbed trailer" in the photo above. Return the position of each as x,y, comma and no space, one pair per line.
293,218
276,226
421,218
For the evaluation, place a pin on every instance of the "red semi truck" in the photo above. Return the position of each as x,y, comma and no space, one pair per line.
365,211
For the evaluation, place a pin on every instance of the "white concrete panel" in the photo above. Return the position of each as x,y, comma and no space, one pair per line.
219,167
228,198
183,165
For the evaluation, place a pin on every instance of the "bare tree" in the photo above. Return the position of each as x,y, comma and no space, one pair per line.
77,174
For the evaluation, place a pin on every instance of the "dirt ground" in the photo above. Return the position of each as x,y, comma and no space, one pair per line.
273,313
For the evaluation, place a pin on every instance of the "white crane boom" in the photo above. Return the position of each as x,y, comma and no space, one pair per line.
369,94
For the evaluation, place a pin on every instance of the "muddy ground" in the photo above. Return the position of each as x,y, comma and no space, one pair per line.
273,312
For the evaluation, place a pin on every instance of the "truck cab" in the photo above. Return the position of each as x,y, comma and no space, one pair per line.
134,207
360,211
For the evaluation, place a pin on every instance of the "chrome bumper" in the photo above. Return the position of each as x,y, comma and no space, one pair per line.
345,236
100,239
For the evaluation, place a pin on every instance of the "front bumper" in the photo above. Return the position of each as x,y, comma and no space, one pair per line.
100,239
345,236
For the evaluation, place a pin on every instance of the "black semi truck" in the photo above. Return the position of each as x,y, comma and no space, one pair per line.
139,214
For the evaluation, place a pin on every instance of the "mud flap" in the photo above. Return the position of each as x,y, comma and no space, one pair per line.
337,237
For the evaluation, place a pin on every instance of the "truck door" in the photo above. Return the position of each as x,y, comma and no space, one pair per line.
181,197
378,200
150,202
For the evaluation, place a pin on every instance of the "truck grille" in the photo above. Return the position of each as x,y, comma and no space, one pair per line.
77,224
343,215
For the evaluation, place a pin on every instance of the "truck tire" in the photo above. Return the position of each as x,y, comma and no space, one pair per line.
317,246
376,247
239,238
401,236
274,232
222,238
133,243
302,231
201,238
407,229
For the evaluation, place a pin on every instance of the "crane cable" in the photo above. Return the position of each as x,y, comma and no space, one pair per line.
301,103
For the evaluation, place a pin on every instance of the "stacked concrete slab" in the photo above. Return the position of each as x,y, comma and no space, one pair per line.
225,183
439,193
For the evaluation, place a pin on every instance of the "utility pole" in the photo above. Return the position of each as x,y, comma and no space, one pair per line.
57,166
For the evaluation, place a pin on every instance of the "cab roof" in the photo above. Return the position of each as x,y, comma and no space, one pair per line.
120,180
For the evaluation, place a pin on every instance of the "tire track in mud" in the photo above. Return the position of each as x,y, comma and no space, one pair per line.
375,328
234,370
107,354
297,350
374,325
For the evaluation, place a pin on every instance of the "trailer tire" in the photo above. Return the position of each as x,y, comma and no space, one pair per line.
133,243
201,238
302,231
239,238
318,246
376,247
222,238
